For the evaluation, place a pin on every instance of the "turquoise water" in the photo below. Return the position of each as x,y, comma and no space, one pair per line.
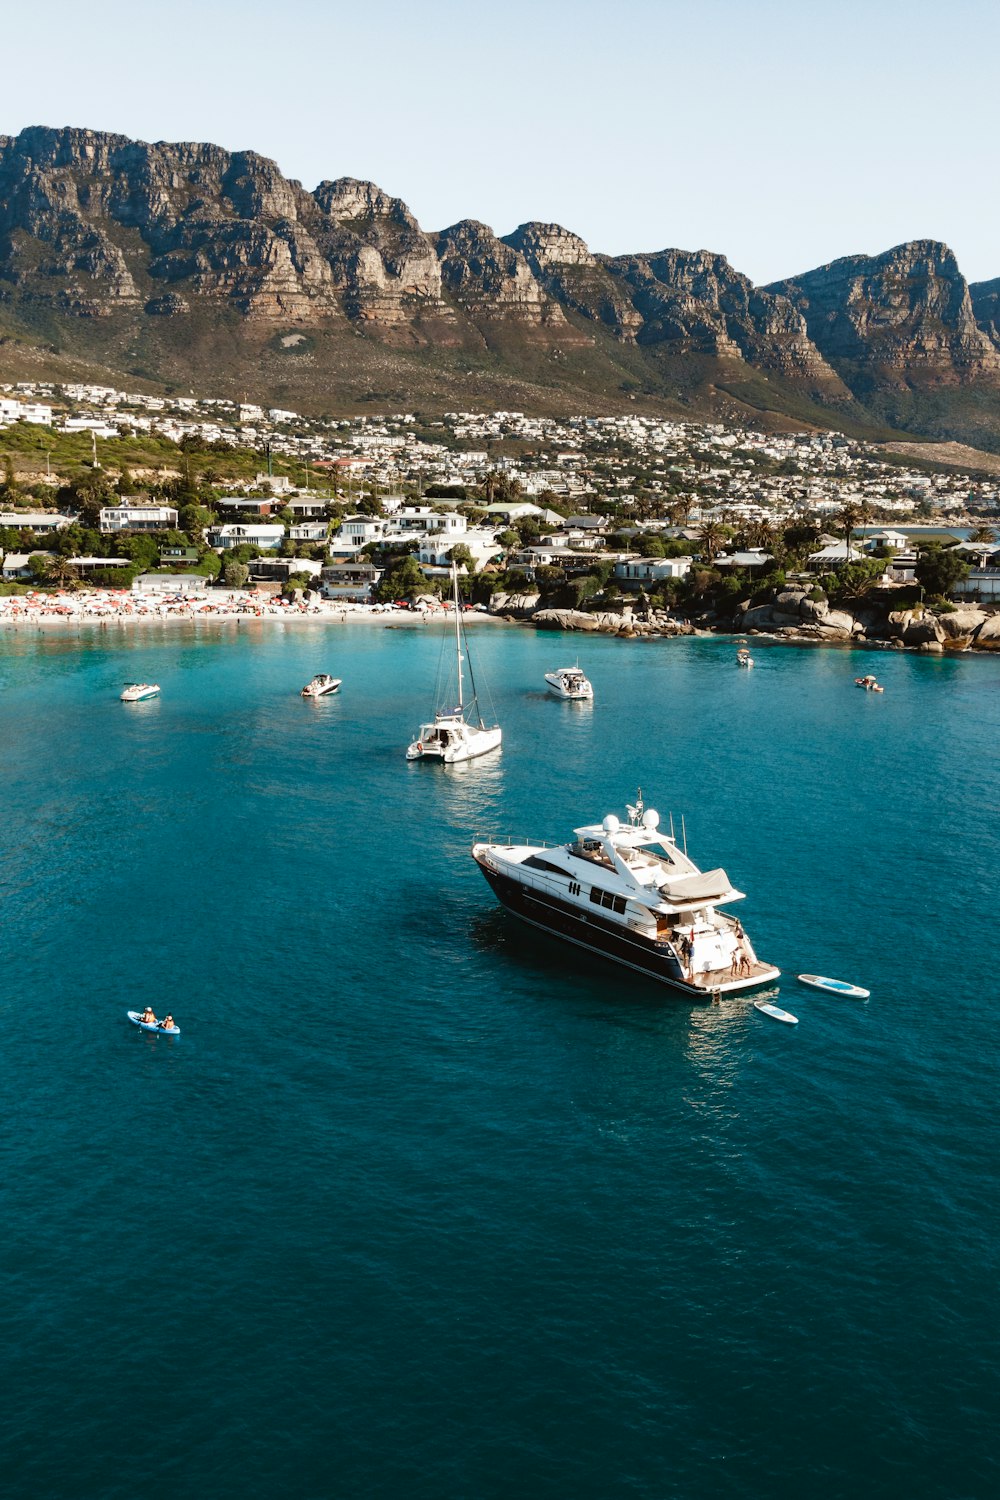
423,1203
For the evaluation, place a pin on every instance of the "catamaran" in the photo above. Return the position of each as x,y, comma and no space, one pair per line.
460,732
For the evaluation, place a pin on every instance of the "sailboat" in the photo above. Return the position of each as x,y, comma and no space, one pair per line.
458,733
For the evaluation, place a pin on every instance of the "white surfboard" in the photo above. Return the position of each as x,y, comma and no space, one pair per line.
835,986
776,1012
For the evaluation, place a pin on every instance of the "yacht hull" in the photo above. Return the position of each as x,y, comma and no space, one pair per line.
484,741
598,935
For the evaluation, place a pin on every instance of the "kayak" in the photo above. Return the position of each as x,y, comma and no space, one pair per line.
135,1016
835,986
776,1012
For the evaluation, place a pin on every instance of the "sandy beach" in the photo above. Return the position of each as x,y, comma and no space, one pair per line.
121,607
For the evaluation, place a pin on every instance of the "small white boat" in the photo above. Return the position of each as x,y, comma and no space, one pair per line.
569,682
743,658
835,986
321,685
775,1012
137,692
869,684
135,1016
459,733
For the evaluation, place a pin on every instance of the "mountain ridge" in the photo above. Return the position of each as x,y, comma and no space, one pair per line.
184,263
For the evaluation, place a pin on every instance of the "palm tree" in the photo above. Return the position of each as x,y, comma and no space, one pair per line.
983,534
61,572
849,517
712,534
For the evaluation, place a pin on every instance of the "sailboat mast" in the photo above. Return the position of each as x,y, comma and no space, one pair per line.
458,633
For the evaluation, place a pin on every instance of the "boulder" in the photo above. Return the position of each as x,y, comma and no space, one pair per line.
961,624
567,619
921,630
988,638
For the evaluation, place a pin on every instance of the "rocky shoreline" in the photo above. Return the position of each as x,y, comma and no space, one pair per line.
794,616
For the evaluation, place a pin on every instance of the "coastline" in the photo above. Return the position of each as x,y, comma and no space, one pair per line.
59,612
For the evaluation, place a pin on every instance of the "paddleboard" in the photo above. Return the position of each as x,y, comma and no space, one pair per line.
835,986
135,1016
776,1012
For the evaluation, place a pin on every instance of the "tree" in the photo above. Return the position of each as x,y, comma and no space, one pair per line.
235,574
462,557
712,536
59,571
939,569
983,534
850,516
10,489
405,580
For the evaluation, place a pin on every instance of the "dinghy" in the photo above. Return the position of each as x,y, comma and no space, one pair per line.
135,1016
775,1012
835,986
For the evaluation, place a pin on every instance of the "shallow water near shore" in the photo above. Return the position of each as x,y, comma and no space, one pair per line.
423,1203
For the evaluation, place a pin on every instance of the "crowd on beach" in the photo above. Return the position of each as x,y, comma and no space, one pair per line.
121,606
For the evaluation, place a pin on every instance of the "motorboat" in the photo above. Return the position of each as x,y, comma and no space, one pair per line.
138,692
629,892
743,658
569,682
321,685
459,732
869,683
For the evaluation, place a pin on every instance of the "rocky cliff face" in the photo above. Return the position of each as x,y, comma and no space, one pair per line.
568,271
695,302
985,297
902,318
170,245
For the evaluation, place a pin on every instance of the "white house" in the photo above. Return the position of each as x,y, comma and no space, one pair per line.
357,531
25,411
249,534
170,583
138,518
15,564
632,570
422,518
435,550
34,520
308,531
308,507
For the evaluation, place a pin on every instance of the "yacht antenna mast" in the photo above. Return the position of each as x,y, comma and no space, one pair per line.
458,632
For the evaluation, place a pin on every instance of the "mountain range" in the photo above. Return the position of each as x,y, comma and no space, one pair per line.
189,267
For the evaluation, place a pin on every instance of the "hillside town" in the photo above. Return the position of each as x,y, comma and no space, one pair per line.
162,494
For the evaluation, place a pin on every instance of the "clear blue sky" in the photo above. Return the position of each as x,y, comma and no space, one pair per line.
782,134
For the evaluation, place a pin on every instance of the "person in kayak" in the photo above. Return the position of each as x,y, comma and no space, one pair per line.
167,1023
148,1017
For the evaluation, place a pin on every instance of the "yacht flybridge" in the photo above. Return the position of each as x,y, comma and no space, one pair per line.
629,892
454,734
569,682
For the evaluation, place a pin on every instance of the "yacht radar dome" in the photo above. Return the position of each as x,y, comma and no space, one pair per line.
651,819
611,824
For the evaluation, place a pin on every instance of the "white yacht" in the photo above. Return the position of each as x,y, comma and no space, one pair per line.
569,682
460,732
138,692
321,685
630,893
